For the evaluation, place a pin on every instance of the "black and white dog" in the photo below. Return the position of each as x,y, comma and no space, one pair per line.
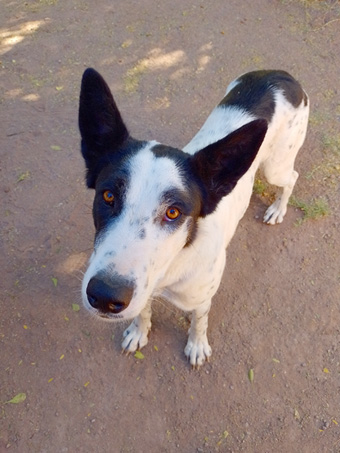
164,216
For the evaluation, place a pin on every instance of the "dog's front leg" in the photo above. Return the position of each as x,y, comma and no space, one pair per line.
136,335
198,349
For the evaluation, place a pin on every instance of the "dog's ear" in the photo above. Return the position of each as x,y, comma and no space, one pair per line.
220,165
101,126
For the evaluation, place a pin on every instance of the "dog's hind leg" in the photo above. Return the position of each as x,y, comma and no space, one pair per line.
136,335
198,349
284,145
279,166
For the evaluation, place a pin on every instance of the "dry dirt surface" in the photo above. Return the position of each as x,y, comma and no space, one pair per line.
273,382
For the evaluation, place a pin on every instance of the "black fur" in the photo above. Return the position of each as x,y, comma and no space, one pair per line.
220,165
255,92
101,126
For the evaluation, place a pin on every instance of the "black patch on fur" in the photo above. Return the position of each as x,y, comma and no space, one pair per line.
96,159
110,254
115,177
142,234
188,202
255,92
192,230
177,155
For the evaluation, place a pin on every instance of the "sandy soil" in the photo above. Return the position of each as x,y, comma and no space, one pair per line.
277,311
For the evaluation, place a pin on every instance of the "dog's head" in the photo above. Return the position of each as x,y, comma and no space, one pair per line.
149,199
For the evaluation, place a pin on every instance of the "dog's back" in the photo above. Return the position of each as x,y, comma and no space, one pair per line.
277,97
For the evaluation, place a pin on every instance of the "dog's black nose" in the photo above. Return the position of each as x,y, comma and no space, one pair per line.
109,295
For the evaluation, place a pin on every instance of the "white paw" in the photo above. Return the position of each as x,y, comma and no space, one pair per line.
136,335
275,213
197,351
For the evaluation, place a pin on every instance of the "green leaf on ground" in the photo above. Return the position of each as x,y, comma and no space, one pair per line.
19,398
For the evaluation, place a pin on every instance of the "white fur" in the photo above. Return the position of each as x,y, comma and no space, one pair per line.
190,276
220,122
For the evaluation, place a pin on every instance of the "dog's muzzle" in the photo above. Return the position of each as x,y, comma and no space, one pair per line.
109,294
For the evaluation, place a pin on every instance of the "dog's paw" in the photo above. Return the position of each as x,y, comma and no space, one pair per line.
136,336
275,213
197,351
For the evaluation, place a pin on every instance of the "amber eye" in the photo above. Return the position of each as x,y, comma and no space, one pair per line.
108,197
172,213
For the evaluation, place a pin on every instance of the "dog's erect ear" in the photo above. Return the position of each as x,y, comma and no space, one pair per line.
100,122
101,126
220,165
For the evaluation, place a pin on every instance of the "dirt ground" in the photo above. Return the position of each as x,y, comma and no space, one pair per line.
64,385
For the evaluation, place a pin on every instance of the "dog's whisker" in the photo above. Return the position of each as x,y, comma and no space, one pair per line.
80,271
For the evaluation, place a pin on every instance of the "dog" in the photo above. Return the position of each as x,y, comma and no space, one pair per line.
164,216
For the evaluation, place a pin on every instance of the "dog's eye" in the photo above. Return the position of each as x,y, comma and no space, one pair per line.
108,197
172,213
